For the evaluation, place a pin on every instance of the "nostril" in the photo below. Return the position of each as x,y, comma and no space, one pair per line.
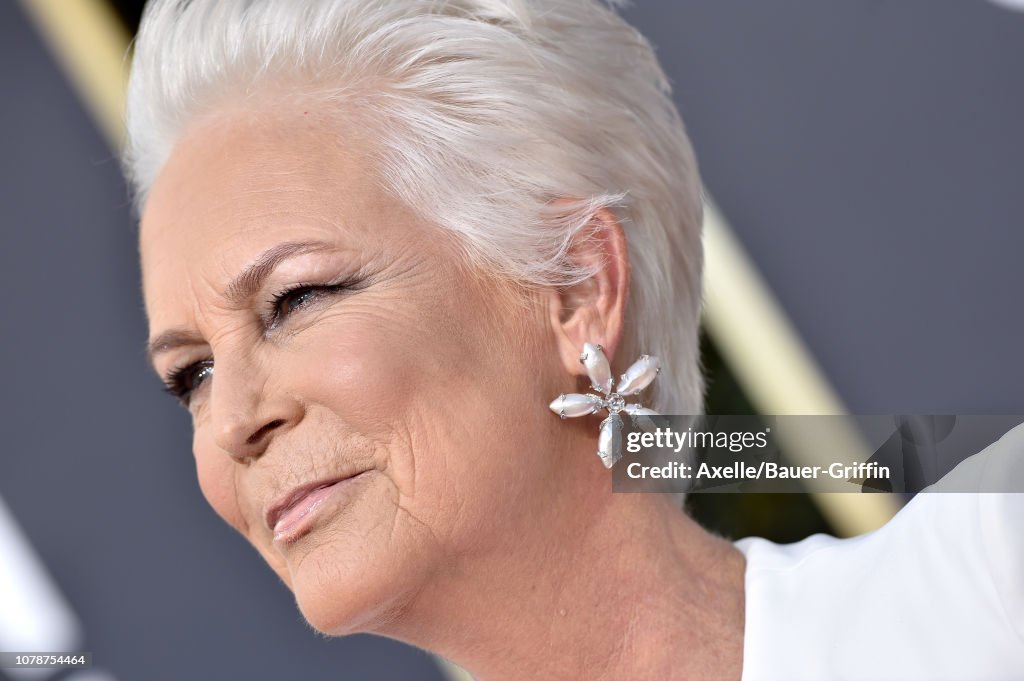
258,435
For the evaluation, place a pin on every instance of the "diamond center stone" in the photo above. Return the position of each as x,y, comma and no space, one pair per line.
616,403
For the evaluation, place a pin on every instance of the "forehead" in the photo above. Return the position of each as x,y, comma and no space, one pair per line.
242,182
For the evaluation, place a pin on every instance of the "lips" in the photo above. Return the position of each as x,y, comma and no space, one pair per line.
299,502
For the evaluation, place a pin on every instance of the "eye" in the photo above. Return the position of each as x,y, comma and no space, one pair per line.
296,298
182,382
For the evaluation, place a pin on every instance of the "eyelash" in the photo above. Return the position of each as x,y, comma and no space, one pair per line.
176,382
277,300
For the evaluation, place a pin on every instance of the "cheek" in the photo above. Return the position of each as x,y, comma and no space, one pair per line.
450,398
216,473
370,363
404,375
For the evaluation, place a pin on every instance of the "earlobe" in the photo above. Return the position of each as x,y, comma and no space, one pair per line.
594,309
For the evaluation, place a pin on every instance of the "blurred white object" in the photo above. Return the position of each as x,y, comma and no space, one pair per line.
936,593
1010,4
34,616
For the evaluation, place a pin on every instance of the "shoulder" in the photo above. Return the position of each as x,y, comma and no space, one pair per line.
935,593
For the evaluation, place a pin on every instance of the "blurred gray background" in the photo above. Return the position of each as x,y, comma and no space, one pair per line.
866,153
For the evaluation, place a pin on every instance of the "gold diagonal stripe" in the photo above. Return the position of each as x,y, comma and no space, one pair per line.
778,373
90,44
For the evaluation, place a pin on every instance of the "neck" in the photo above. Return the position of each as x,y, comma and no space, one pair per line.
602,586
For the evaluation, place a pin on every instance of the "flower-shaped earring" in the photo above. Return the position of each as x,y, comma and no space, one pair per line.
637,377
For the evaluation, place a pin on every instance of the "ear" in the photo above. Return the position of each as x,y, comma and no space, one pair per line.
593,310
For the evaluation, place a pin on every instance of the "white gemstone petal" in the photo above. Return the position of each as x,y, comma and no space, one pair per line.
638,376
611,434
641,417
597,367
575,404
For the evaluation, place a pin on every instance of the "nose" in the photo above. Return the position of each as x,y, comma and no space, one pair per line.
246,410
240,440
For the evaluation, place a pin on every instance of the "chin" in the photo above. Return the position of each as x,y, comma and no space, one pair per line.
333,610
355,582
342,601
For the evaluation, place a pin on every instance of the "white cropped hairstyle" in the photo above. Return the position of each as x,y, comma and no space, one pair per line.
484,111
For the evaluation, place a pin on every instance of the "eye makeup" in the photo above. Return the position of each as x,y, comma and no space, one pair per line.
298,297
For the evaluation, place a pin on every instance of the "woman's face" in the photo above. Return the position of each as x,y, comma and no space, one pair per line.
345,338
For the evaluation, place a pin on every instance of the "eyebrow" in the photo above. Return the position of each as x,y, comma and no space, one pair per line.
238,291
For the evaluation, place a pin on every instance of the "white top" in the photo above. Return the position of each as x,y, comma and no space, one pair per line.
936,593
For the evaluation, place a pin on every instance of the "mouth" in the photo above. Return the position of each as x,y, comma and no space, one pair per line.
291,515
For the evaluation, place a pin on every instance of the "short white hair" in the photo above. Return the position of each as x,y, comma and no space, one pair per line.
485,112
